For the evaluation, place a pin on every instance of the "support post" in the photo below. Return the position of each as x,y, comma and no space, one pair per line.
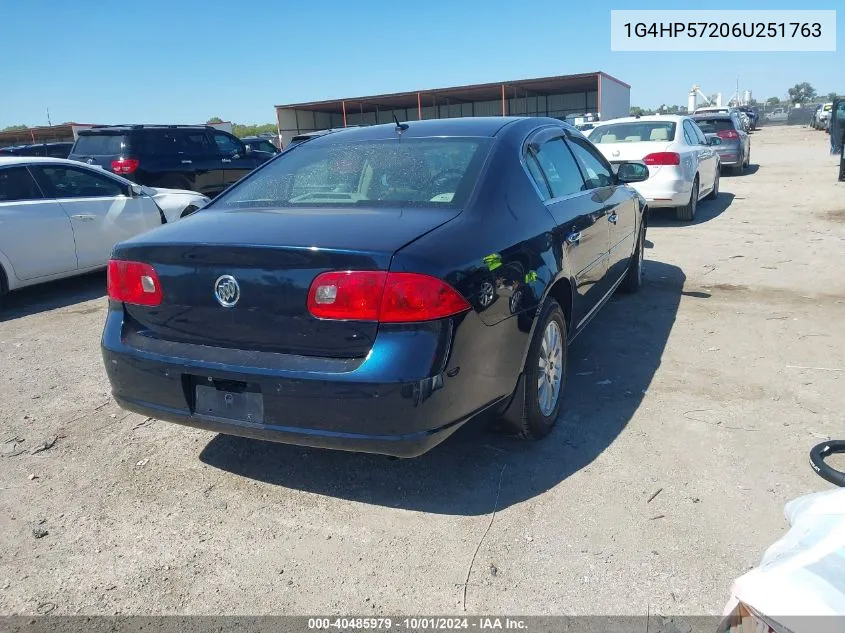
419,107
504,109
343,103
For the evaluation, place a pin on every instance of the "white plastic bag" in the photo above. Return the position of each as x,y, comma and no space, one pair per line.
800,584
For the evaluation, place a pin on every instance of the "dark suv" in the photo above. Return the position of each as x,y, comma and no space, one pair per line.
194,157
53,150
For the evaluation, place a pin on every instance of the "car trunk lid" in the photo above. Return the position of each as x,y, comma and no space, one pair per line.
273,256
619,152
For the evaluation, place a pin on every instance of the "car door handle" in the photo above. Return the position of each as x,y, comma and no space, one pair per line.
83,217
574,238
227,160
613,218
187,162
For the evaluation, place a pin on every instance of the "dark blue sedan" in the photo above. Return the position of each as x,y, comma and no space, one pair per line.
376,288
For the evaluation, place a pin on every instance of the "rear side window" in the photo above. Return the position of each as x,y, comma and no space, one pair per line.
100,144
714,125
560,172
173,142
16,184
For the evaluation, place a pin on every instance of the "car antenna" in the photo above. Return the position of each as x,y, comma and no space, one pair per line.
400,127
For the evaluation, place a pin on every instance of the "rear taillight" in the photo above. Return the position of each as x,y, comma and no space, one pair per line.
728,135
124,166
133,282
382,296
663,158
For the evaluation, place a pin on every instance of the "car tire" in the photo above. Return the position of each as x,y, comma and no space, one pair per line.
542,402
633,280
714,193
4,286
686,213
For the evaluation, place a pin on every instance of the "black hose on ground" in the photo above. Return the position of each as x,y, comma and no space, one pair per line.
821,452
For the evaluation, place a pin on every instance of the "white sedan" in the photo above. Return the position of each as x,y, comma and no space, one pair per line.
683,168
60,218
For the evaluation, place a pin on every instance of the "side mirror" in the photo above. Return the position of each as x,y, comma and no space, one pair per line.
714,140
632,171
247,150
136,191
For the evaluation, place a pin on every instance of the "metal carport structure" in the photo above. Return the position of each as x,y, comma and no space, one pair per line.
595,92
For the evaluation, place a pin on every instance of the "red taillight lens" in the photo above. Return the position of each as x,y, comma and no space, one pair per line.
663,158
383,297
728,135
133,282
124,166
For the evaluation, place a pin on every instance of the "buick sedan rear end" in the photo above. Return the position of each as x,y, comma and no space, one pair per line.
374,289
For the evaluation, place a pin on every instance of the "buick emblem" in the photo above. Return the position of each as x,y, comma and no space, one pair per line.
227,291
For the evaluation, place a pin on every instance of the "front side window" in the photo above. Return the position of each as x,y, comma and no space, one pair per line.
419,172
597,172
558,167
17,184
226,144
71,182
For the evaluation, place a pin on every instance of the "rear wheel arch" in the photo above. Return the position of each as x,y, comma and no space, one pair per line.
561,291
4,281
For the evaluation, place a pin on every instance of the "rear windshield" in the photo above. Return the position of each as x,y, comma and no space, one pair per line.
100,144
635,132
430,172
712,126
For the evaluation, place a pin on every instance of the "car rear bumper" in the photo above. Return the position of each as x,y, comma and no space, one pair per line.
403,399
730,155
664,190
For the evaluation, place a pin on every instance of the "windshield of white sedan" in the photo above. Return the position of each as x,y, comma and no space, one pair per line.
637,132
432,172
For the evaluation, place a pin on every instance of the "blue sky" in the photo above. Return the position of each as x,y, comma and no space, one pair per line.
184,61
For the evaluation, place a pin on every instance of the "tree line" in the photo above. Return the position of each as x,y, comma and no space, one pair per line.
799,94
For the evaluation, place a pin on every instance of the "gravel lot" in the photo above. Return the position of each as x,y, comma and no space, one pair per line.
693,387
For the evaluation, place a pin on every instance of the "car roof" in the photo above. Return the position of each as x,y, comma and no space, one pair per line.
128,127
712,115
463,126
6,161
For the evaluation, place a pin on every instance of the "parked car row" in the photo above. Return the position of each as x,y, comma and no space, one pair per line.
821,117
385,261
61,218
685,154
53,150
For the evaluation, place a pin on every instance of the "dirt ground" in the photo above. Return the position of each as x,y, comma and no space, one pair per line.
697,387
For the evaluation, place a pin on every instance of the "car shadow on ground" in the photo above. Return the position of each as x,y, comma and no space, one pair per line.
610,368
748,171
52,295
707,210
